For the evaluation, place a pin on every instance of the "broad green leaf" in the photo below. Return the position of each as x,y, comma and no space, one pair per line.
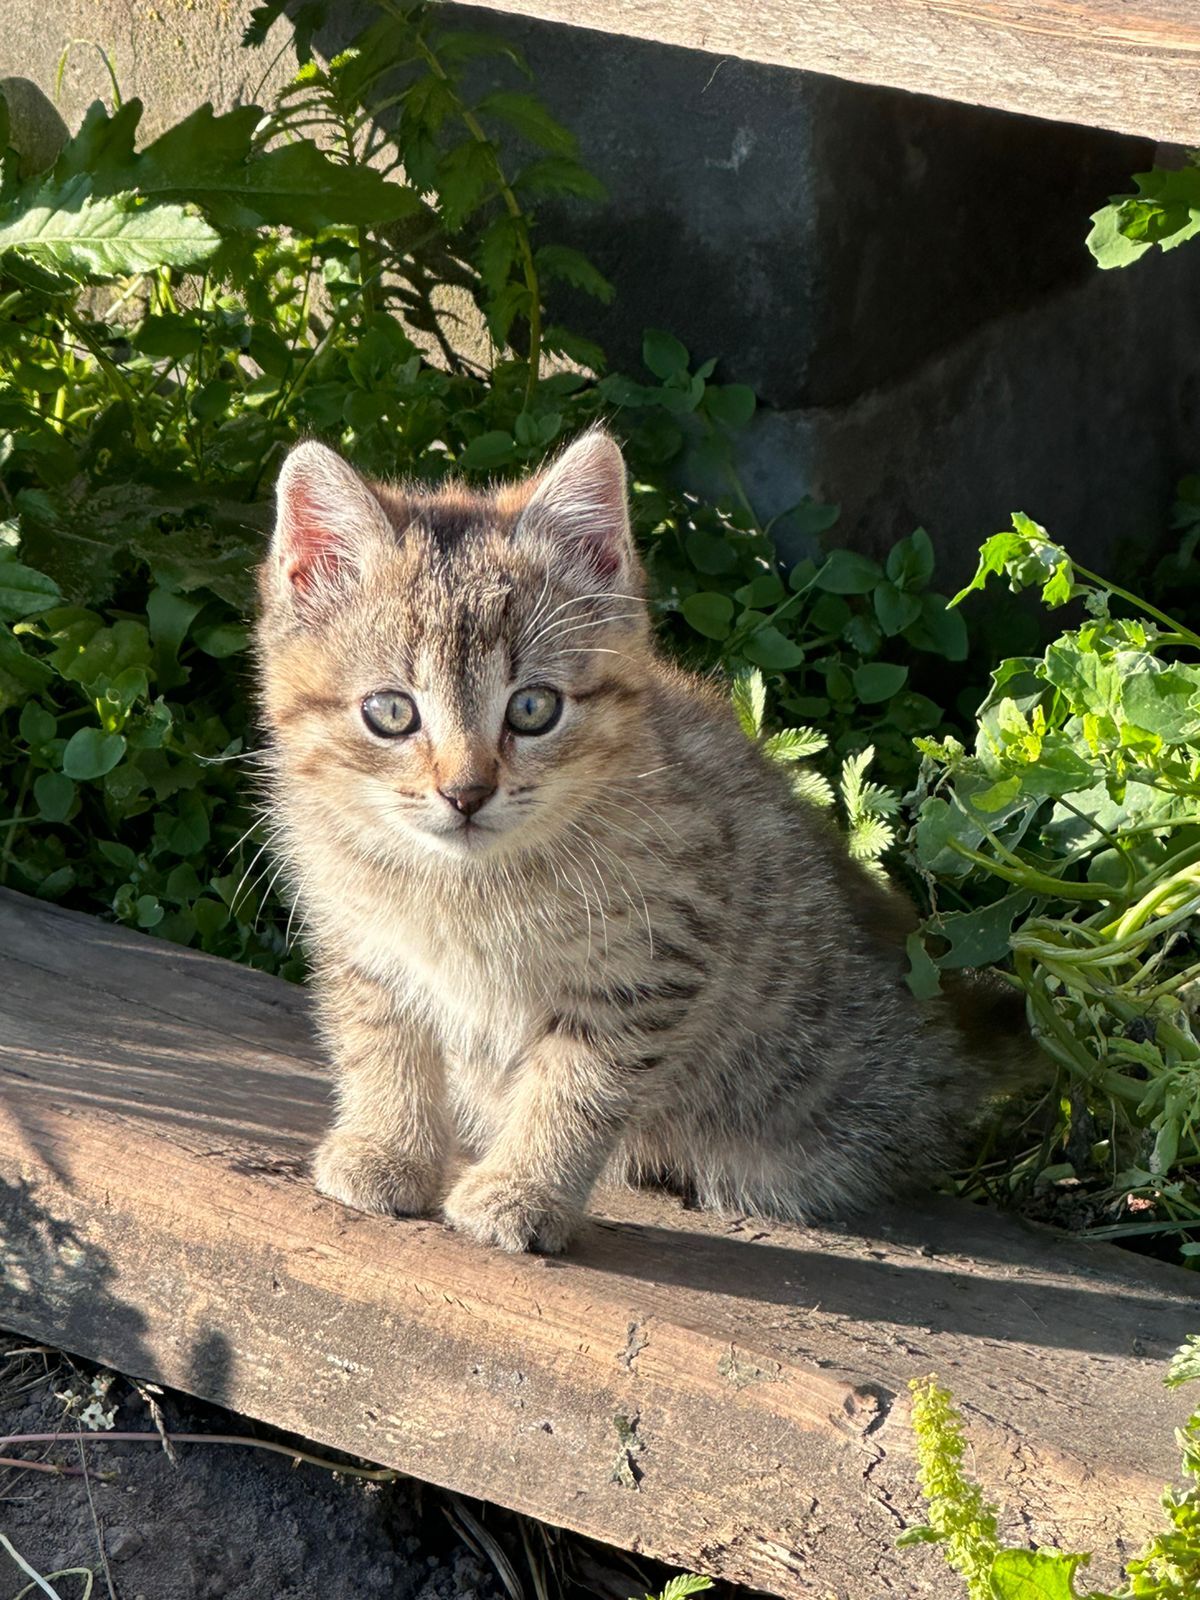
924,980
895,609
730,404
939,823
1162,700
663,354
938,629
213,161
54,794
769,648
64,229
979,938
222,639
90,753
709,613
24,592
1035,1575
765,589
1110,246
709,553
910,561
878,680
846,572
36,725
488,451
21,672
997,795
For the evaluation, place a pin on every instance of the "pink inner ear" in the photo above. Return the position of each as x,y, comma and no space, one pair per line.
312,552
602,552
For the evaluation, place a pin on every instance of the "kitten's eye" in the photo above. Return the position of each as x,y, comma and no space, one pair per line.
534,710
389,713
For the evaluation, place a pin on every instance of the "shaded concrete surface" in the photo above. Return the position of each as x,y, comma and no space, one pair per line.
902,280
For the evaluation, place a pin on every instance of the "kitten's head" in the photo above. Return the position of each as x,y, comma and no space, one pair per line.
453,671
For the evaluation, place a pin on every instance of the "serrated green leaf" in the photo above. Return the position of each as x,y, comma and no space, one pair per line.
464,176
556,175
531,120
498,251
749,695
64,229
795,744
559,261
812,786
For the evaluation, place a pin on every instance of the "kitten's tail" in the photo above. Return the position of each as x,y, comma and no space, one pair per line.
988,1015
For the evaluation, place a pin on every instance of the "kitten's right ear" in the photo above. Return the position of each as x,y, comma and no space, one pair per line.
325,519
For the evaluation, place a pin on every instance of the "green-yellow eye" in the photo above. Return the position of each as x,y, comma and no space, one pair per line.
390,713
533,710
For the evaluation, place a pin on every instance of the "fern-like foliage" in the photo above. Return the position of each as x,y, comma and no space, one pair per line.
868,806
682,1585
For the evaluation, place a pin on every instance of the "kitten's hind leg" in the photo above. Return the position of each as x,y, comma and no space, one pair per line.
389,1146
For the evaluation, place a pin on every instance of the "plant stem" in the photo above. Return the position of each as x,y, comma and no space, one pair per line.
512,206
144,1436
1140,604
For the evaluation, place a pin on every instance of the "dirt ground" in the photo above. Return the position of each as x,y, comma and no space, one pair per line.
246,1523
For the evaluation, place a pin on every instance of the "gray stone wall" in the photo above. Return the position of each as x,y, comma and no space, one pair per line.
902,280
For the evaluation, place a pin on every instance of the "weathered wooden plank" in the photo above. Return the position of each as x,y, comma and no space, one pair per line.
721,1393
1132,65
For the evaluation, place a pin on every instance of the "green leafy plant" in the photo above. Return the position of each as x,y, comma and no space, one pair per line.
682,1585
1165,211
363,262
1069,835
867,808
964,1525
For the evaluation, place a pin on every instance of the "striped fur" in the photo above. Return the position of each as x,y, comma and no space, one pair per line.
642,957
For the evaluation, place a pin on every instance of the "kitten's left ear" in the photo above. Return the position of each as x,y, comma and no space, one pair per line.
326,521
581,504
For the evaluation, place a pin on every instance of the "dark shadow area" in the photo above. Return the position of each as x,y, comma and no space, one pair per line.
57,1285
1006,1283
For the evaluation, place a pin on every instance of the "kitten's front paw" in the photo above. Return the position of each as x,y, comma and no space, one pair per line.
372,1175
510,1213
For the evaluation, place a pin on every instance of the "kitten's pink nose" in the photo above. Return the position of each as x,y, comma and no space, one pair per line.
470,798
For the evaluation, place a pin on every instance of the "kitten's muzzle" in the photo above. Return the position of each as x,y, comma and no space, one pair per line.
470,798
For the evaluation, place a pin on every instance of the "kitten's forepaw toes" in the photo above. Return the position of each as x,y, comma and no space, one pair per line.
373,1176
510,1214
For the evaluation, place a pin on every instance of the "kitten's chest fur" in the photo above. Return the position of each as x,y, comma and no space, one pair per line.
485,964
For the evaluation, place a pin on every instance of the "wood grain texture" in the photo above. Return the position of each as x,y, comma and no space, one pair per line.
1132,65
721,1393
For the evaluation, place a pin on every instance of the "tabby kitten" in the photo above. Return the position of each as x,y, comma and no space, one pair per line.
566,920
